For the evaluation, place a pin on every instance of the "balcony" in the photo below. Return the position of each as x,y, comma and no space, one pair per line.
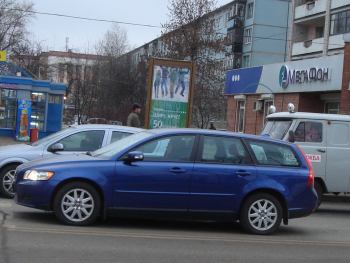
310,8
336,42
339,3
308,47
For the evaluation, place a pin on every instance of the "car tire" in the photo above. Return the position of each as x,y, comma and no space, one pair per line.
78,204
319,190
7,176
261,214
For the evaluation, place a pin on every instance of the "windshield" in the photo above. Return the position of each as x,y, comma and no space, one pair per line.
112,149
50,137
276,129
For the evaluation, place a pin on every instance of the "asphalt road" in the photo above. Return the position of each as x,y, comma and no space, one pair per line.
28,235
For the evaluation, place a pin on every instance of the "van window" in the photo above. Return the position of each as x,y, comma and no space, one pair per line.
267,153
277,129
308,132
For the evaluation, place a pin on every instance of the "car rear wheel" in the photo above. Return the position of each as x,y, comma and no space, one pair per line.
261,214
77,203
7,179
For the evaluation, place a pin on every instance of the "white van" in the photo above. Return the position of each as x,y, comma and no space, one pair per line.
325,139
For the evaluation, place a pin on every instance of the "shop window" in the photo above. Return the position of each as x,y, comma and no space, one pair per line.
38,110
332,107
340,22
55,99
240,116
8,108
309,132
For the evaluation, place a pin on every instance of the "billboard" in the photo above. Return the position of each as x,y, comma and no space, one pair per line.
24,109
169,99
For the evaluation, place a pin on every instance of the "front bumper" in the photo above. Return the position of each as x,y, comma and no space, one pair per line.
35,194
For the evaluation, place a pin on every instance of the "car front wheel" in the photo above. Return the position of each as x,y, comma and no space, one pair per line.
7,179
261,214
77,203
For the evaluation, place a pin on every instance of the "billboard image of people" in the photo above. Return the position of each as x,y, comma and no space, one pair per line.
170,96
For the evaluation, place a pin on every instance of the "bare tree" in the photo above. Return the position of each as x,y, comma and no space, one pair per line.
114,42
13,19
120,84
190,34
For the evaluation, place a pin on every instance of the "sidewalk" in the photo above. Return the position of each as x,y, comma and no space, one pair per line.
7,141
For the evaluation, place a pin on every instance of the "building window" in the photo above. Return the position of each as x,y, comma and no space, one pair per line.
340,23
246,61
240,116
8,108
61,71
332,107
267,105
248,36
250,10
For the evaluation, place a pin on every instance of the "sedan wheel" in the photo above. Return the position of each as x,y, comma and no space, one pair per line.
261,214
77,203
7,177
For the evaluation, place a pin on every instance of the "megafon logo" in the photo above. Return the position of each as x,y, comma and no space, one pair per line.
284,77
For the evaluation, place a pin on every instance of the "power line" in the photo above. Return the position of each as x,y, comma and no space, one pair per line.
84,18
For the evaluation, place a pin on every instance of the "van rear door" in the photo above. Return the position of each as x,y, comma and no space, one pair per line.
338,157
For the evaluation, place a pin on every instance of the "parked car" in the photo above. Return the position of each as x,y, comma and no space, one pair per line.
325,138
177,172
75,139
97,121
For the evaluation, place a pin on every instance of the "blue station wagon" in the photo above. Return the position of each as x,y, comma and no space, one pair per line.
186,173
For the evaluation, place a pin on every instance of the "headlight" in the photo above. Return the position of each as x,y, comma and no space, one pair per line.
37,175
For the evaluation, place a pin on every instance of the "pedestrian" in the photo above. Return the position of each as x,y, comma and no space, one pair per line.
212,127
133,118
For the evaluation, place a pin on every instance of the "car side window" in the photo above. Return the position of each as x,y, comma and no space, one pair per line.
267,153
83,141
117,135
309,132
227,150
169,149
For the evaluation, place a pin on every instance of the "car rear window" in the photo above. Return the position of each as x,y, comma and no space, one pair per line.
268,153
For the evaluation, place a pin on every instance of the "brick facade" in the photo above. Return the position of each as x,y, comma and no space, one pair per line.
254,120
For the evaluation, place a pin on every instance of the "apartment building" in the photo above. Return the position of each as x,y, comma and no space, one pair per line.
316,77
252,38
318,28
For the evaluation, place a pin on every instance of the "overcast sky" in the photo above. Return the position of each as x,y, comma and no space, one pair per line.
52,31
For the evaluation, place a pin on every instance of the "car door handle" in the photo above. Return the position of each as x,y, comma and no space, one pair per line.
321,150
177,170
243,173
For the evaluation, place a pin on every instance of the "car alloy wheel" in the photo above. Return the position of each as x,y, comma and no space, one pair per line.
77,205
262,215
7,179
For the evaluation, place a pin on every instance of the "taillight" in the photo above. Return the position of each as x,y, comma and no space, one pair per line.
311,176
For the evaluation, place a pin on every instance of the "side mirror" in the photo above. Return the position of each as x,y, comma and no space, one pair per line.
134,157
57,147
291,136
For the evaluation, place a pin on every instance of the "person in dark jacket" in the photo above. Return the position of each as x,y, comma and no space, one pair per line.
133,118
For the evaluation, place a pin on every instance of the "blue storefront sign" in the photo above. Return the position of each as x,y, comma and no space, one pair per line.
243,81
24,110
